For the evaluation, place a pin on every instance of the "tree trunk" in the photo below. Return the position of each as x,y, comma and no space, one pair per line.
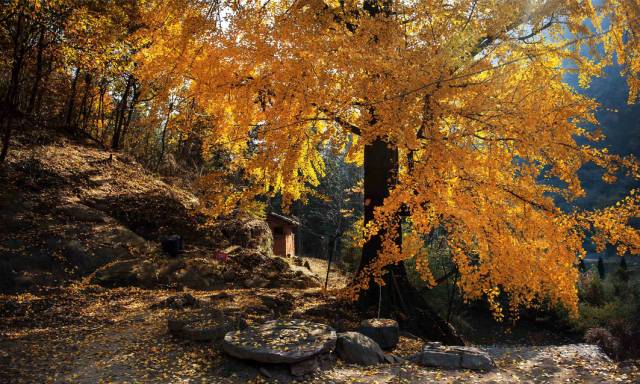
6,138
132,106
164,136
117,129
40,95
83,104
10,108
87,116
38,74
397,298
72,101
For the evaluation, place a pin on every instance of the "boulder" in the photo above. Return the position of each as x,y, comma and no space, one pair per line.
256,282
117,274
385,332
354,347
389,358
229,276
278,303
305,367
175,325
203,325
247,232
81,212
280,341
476,359
177,302
436,355
440,359
323,361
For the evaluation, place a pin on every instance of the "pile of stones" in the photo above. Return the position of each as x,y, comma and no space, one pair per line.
306,346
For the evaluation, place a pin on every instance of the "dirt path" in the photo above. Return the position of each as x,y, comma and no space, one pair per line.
90,335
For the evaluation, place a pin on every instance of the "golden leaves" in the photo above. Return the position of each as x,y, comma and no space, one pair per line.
472,90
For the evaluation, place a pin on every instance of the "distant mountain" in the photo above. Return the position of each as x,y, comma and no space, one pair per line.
620,123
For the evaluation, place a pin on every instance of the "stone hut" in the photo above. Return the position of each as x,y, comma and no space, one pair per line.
283,229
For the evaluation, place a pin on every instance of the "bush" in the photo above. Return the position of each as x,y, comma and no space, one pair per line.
606,315
592,289
610,313
604,339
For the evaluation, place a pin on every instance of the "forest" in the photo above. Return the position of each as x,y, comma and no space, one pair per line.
322,191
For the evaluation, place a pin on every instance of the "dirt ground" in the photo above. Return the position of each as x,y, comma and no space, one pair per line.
72,209
88,334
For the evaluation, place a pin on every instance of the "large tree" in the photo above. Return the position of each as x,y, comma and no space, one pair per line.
457,109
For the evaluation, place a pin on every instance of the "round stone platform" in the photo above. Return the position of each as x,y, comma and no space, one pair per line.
280,341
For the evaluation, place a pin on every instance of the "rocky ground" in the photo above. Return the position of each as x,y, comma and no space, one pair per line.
88,334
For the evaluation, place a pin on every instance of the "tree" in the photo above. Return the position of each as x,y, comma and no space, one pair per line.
333,208
458,111
622,276
601,270
623,263
52,52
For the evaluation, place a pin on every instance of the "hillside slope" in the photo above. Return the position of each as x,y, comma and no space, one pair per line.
69,209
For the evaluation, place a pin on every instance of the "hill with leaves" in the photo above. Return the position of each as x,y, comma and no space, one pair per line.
71,209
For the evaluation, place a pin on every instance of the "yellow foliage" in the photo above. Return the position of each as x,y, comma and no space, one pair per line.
473,89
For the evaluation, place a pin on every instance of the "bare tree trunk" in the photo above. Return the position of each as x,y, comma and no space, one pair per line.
6,138
40,95
38,74
100,116
122,106
72,101
10,108
87,116
83,103
132,106
164,135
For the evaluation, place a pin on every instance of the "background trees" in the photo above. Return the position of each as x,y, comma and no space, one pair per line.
76,65
333,208
458,113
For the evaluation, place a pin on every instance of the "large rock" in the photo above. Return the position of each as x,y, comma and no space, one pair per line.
179,301
385,332
203,325
436,355
476,359
440,359
81,212
305,367
354,347
247,232
118,274
280,341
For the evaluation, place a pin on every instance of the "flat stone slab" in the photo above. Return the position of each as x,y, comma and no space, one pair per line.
453,357
280,341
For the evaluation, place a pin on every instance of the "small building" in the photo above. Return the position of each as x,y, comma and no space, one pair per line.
283,229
